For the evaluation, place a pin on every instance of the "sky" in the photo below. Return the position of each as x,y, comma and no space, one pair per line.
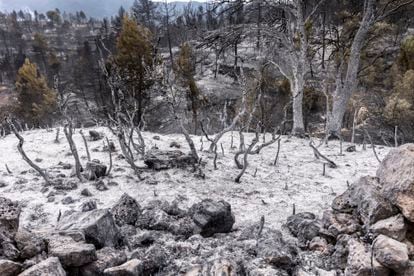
95,8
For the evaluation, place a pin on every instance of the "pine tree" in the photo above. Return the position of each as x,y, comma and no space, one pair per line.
35,99
186,72
134,58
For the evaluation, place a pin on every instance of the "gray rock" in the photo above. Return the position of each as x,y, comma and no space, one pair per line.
391,253
100,185
393,227
107,257
294,221
70,252
359,261
86,192
133,267
274,250
8,249
9,268
156,257
155,219
212,217
3,184
65,185
95,170
89,206
365,199
9,216
340,223
126,210
49,267
163,160
67,200
97,225
29,244
220,266
304,226
396,176
94,135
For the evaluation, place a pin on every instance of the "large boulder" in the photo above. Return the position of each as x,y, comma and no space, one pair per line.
70,252
212,217
391,253
9,216
359,261
126,210
107,257
396,176
133,267
98,227
393,227
9,268
162,160
49,267
366,200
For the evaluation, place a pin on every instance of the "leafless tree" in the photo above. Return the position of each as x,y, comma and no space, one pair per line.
43,173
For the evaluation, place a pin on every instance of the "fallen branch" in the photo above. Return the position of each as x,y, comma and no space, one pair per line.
320,155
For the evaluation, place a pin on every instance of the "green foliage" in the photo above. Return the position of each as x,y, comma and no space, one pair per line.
35,99
185,70
134,53
39,43
406,58
399,109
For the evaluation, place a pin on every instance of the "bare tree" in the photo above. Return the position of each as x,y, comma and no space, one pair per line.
41,171
347,73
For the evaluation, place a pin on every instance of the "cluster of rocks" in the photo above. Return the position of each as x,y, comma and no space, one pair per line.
370,228
125,240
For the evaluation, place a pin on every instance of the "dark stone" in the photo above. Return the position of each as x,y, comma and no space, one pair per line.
351,148
86,192
94,135
67,200
9,216
163,160
126,210
294,221
212,217
95,170
65,185
89,206
100,185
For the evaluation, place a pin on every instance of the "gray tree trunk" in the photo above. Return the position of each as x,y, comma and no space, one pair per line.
344,89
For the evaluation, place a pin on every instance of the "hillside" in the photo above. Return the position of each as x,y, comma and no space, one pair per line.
297,178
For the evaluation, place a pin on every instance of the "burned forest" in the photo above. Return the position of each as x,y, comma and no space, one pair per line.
207,138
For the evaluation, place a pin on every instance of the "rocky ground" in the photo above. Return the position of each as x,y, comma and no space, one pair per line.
179,221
